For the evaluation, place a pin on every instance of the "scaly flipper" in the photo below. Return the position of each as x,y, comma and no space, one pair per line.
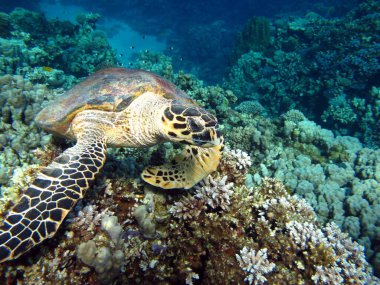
45,204
186,169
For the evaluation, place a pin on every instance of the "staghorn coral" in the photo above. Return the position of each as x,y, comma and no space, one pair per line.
215,193
236,164
326,246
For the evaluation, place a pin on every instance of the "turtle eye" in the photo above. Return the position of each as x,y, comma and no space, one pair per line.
195,125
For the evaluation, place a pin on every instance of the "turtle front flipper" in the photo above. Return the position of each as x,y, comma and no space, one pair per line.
186,169
45,204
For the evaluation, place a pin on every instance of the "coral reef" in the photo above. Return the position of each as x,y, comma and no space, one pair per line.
238,225
50,45
336,175
234,233
202,33
327,68
104,253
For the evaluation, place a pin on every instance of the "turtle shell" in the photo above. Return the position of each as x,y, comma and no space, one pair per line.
111,89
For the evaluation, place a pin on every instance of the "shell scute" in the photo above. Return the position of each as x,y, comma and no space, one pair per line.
111,89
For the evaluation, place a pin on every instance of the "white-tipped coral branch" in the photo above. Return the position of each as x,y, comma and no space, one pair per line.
255,264
212,193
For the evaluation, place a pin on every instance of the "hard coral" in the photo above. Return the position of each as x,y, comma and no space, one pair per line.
211,193
316,61
256,265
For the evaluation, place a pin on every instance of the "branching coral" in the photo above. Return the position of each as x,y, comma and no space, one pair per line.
261,235
256,265
344,260
212,193
215,193
235,164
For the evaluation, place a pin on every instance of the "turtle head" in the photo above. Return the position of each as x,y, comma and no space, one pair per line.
190,124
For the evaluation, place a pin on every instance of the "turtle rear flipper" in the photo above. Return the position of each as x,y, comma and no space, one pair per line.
45,204
186,169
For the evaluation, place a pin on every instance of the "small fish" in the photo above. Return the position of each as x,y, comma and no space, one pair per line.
171,48
130,63
131,47
146,51
121,55
47,68
181,58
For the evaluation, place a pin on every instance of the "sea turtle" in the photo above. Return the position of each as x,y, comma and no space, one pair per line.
114,107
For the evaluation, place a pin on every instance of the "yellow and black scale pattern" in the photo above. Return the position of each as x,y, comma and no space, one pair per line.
184,122
195,126
45,204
